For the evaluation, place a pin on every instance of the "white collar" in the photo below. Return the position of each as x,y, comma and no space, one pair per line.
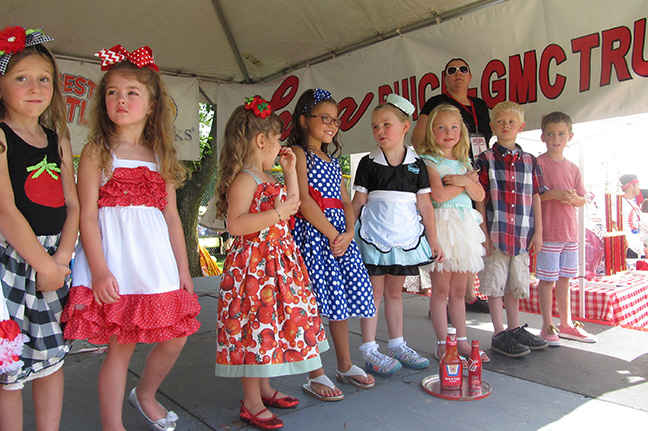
378,156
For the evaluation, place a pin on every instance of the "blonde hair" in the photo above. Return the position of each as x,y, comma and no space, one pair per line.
158,132
55,115
241,128
508,107
461,151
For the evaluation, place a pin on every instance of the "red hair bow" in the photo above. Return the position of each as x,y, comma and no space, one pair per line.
140,57
258,105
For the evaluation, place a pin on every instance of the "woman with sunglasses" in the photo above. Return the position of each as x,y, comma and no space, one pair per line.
474,113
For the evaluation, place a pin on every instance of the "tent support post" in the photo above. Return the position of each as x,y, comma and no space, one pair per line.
230,39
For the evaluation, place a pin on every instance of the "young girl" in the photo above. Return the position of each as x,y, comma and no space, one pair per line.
267,315
445,151
390,183
324,229
39,222
131,278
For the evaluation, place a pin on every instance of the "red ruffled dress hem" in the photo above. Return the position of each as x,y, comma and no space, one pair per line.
133,319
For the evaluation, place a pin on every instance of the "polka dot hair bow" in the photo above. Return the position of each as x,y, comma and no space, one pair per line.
14,39
258,105
140,57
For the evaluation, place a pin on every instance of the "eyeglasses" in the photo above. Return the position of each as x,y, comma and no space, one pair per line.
328,120
453,69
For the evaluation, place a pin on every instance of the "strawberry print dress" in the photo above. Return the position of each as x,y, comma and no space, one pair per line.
39,349
268,323
135,239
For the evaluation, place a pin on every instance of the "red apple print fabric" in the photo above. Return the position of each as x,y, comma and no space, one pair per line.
267,314
43,184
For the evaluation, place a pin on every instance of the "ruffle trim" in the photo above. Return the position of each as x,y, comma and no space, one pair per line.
133,319
134,186
386,248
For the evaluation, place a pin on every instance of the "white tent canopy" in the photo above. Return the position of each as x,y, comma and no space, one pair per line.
228,40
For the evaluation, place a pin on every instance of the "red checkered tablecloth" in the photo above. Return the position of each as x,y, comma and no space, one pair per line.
623,303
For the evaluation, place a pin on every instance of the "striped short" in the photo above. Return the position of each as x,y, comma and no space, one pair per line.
557,259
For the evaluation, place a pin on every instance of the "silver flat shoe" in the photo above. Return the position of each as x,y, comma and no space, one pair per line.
167,423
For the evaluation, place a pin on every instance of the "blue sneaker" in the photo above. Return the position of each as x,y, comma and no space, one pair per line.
380,364
409,357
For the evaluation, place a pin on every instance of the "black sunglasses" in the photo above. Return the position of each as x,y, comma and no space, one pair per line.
453,69
329,120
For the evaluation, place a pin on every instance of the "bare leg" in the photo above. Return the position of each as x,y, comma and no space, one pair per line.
457,309
545,299
268,391
252,396
112,384
562,298
497,313
158,365
47,393
512,310
394,305
469,296
369,325
438,299
11,410
340,335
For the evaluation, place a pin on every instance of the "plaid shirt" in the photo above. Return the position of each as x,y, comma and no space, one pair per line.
510,179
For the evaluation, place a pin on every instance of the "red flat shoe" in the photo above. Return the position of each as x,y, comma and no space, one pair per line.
286,402
271,423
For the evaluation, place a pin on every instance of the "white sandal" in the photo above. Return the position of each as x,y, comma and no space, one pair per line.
350,377
324,381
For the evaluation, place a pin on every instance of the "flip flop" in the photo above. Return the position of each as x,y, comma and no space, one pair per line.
325,381
349,377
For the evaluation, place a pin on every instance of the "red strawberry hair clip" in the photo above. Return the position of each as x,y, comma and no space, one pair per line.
258,105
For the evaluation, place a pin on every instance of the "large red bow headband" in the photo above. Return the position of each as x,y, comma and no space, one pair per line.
140,57
258,105
14,39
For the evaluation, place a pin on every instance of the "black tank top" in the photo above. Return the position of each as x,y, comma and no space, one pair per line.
36,181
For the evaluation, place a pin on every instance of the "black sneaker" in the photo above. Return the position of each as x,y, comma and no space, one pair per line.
526,338
478,306
506,344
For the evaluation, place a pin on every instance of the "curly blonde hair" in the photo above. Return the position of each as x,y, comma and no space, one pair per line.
241,128
158,132
429,145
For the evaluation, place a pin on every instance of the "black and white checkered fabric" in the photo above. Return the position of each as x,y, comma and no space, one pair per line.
37,313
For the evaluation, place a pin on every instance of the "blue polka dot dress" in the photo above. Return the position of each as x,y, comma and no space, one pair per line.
341,285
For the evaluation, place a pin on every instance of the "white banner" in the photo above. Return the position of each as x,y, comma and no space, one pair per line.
584,57
80,79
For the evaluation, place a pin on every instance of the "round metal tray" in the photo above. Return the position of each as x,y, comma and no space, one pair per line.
432,385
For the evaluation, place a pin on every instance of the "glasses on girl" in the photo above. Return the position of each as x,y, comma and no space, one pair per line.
329,120
453,69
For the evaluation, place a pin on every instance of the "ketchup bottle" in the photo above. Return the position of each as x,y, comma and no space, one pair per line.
475,370
450,372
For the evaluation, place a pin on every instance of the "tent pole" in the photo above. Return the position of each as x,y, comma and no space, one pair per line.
581,240
230,39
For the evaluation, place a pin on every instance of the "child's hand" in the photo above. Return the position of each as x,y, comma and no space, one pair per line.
105,288
535,244
186,282
437,252
569,197
488,246
287,159
287,208
472,176
455,180
52,279
341,243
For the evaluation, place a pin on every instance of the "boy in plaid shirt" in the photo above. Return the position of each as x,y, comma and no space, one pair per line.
512,223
